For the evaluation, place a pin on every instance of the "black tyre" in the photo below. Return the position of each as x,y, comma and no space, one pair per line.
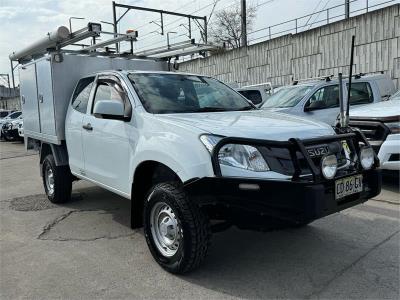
177,232
9,138
57,180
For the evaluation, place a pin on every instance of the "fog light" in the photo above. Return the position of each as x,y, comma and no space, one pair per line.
367,157
329,166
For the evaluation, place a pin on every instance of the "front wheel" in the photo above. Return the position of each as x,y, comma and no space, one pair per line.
9,138
177,232
57,180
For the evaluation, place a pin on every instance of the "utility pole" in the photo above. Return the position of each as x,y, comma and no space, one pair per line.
244,23
347,8
115,25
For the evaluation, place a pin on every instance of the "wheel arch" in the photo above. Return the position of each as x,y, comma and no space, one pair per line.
147,174
59,153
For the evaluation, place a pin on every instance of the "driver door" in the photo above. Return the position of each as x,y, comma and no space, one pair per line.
323,105
106,141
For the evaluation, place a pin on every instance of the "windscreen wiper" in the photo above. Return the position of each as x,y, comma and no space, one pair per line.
211,109
245,108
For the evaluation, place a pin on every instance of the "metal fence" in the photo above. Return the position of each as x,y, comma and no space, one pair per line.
329,15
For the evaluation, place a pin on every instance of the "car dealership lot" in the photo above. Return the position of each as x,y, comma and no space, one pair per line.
86,249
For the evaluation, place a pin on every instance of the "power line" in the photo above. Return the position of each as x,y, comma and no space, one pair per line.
316,18
314,10
263,3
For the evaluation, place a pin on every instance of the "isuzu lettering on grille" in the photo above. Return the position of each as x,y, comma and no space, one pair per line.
317,151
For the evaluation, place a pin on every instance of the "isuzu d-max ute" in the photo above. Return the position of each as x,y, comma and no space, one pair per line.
193,155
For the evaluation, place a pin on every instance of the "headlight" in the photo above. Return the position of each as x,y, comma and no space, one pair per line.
329,166
367,157
394,127
237,155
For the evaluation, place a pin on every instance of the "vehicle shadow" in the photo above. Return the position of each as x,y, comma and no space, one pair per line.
391,181
93,198
289,263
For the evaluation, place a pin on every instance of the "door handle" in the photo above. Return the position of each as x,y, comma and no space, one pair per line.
88,127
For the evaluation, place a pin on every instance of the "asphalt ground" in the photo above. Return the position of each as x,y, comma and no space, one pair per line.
85,249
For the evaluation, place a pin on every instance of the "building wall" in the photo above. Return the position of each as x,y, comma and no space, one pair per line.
318,52
10,103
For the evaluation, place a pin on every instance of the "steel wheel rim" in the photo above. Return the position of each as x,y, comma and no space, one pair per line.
165,229
49,179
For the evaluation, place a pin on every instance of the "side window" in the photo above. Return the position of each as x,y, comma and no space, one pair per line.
253,95
325,97
81,95
108,90
361,93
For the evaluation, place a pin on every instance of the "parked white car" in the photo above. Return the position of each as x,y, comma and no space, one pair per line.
380,122
257,93
319,99
9,118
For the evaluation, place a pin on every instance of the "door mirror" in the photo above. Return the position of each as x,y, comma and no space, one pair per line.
315,105
109,109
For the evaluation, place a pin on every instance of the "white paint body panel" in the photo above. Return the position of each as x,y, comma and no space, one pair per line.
392,143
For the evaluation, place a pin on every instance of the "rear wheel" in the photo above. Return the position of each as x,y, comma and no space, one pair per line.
177,232
57,180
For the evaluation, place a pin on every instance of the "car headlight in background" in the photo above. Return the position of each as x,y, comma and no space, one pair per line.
394,127
329,165
236,155
367,157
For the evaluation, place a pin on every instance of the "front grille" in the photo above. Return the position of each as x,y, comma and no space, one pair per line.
279,159
375,132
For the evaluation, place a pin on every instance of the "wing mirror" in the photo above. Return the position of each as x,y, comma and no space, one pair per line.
110,109
315,105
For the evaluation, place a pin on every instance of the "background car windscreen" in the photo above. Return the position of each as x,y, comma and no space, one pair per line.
287,96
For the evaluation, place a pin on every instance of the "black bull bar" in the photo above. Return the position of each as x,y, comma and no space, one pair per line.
295,146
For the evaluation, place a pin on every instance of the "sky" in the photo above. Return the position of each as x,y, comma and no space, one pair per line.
24,21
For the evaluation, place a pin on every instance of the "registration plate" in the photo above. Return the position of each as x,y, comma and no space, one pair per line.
348,186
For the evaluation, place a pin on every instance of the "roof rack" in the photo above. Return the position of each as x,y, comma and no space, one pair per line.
57,40
330,77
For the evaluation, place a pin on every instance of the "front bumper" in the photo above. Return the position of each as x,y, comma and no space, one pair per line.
305,195
254,202
389,153
11,133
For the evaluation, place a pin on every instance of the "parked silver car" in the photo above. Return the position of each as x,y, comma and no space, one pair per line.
319,99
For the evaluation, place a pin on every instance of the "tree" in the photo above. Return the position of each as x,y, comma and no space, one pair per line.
226,26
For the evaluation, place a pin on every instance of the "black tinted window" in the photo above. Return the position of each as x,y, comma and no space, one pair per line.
81,95
15,115
326,97
3,114
253,95
361,93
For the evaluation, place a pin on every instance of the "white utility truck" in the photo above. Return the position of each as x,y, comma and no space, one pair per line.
192,155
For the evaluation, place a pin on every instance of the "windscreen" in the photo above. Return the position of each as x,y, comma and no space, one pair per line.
177,93
15,115
287,96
